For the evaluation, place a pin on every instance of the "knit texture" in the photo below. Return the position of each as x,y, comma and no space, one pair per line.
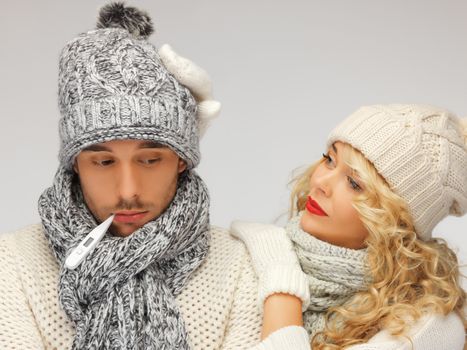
270,245
420,151
218,303
430,332
274,260
112,85
334,273
291,337
197,80
123,294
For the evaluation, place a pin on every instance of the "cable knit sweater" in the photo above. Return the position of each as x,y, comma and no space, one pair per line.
219,304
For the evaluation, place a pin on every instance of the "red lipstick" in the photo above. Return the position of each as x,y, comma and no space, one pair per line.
314,208
127,216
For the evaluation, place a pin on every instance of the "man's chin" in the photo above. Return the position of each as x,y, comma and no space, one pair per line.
124,230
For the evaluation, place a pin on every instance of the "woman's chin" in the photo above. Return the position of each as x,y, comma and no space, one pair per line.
310,223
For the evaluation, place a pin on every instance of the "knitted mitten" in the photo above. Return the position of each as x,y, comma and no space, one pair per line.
274,261
196,80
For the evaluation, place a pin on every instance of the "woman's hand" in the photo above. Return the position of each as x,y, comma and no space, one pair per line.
282,286
196,80
281,310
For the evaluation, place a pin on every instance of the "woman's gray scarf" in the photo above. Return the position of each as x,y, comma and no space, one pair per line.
334,273
122,296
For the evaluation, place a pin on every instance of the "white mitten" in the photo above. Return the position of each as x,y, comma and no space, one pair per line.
274,261
196,80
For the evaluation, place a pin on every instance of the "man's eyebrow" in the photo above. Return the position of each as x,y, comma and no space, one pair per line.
151,144
96,148
103,148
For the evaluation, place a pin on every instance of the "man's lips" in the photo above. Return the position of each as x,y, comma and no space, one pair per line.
129,216
314,208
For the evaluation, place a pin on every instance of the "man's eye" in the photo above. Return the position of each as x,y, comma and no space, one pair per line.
150,161
105,162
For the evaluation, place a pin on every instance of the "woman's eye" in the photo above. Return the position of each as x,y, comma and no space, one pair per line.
327,158
355,186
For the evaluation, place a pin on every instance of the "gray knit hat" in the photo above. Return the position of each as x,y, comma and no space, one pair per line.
113,85
420,151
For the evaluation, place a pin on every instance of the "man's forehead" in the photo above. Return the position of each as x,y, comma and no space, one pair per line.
110,146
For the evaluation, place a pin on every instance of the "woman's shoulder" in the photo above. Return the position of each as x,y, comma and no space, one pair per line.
432,331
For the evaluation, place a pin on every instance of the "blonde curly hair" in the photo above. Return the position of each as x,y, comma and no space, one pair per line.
409,276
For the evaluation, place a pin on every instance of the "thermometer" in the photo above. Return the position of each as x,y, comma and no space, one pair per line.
87,245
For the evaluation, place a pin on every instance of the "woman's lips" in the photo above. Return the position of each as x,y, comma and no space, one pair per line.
127,217
314,208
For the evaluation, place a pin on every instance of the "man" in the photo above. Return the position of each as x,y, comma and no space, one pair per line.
161,278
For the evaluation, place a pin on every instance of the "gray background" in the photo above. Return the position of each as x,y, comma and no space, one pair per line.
285,71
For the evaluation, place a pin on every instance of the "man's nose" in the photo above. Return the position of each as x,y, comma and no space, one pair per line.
128,184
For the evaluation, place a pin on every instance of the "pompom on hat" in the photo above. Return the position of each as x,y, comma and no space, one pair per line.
114,85
420,151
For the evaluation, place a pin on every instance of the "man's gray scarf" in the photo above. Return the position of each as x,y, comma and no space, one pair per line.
122,296
334,273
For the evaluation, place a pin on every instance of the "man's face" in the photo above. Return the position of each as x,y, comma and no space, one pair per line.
135,179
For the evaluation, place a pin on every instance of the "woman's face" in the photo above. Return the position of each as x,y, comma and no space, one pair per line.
329,214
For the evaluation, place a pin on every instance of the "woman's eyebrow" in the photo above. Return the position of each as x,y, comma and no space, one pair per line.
356,174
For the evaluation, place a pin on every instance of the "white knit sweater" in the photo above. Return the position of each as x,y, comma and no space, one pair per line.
432,332
219,304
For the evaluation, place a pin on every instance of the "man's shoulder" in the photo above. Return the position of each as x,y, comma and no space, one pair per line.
29,247
225,248
222,287
222,243
221,236
226,255
30,233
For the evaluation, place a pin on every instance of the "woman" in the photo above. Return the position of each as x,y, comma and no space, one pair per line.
356,266
360,229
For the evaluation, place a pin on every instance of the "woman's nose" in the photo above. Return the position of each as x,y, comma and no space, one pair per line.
323,183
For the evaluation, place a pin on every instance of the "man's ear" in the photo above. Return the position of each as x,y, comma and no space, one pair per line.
181,165
75,166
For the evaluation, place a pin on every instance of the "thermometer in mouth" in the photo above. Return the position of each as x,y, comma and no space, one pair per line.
88,244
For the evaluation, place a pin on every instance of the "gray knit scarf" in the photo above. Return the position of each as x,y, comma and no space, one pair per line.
122,296
334,273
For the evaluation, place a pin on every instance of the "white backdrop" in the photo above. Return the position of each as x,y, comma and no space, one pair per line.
285,71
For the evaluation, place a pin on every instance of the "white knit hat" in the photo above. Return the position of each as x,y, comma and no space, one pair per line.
420,151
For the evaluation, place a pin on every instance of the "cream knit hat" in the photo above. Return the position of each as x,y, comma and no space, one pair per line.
421,152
